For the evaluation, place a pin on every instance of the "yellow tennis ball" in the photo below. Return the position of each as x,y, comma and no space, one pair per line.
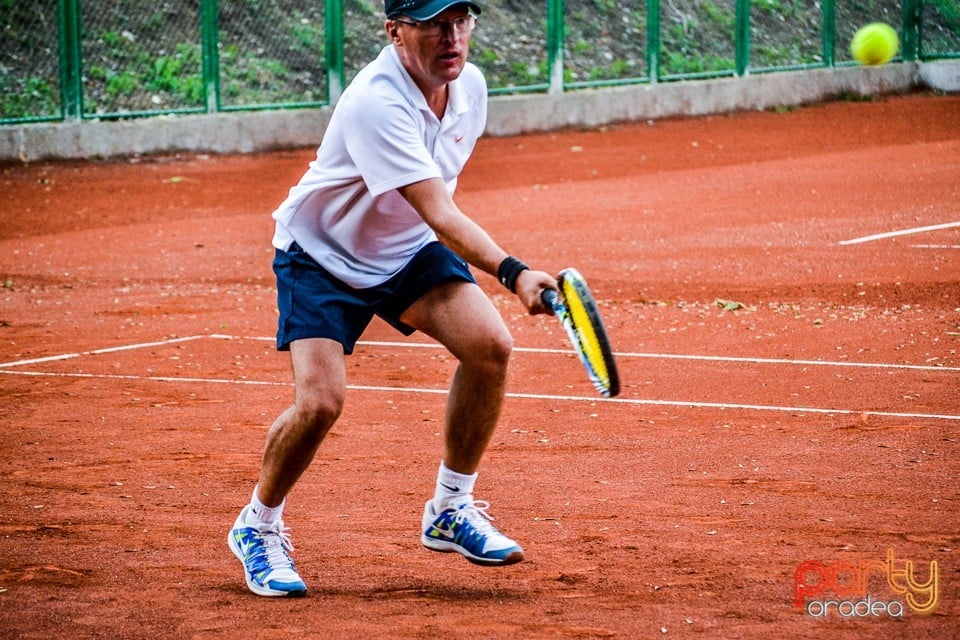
875,44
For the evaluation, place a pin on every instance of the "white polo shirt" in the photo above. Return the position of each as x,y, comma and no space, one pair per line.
346,211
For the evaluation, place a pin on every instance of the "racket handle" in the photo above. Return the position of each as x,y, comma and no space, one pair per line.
549,298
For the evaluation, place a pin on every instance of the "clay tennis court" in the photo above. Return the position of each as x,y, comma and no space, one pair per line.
783,291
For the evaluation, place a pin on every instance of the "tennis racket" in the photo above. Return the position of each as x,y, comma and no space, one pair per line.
578,314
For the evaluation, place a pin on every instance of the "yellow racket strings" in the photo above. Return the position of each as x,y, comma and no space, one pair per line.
587,334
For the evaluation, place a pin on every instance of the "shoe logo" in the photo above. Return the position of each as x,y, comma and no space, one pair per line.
242,538
447,531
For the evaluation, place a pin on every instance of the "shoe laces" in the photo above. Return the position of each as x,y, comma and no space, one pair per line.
475,514
276,543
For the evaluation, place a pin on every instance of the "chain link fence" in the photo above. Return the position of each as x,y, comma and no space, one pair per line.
29,58
126,58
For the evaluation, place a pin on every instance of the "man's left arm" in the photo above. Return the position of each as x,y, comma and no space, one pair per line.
470,241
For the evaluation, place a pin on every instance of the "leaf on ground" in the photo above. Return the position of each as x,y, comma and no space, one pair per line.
731,305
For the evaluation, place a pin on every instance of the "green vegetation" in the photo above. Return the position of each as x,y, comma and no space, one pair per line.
31,97
698,40
949,10
177,74
941,27
603,6
138,56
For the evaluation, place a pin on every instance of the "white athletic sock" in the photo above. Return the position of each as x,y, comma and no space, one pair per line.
260,512
453,489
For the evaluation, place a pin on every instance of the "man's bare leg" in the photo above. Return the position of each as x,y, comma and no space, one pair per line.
259,538
460,317
319,377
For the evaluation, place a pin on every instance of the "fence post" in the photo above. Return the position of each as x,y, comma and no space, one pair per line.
912,19
71,60
653,40
209,39
555,38
742,37
829,32
333,50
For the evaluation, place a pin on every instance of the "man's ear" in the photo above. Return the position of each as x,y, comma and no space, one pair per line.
393,31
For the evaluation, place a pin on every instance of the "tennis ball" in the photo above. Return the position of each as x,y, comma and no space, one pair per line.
875,44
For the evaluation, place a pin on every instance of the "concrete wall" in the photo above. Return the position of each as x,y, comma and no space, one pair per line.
266,130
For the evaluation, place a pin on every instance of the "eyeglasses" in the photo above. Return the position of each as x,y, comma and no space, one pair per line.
435,28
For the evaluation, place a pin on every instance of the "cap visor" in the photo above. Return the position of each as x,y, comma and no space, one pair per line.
432,9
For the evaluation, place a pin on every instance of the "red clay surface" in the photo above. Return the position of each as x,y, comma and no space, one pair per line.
814,414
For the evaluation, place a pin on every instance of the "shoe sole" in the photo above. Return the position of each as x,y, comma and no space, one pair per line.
442,546
253,586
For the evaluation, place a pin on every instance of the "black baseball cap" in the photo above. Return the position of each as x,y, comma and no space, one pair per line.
423,9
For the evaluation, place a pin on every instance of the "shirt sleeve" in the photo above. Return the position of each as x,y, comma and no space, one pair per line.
386,138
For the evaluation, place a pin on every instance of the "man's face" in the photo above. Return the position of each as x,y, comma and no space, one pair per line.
435,51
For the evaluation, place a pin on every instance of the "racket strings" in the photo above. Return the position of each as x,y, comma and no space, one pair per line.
585,333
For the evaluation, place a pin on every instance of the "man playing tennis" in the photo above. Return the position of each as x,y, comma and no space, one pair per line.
372,229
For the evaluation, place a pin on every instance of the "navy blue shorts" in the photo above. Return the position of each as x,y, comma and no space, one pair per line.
315,304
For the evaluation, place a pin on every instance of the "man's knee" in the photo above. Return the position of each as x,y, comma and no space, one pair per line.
318,410
492,350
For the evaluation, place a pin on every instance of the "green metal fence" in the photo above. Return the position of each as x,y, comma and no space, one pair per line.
86,59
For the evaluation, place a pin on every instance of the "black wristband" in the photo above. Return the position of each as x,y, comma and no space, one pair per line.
508,272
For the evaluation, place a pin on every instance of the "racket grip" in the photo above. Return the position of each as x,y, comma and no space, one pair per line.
549,298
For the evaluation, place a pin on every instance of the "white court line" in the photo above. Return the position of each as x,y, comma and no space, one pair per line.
434,345
935,246
127,347
689,404
902,232
127,376
814,363
680,356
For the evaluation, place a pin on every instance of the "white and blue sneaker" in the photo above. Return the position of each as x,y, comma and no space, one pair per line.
467,530
263,551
